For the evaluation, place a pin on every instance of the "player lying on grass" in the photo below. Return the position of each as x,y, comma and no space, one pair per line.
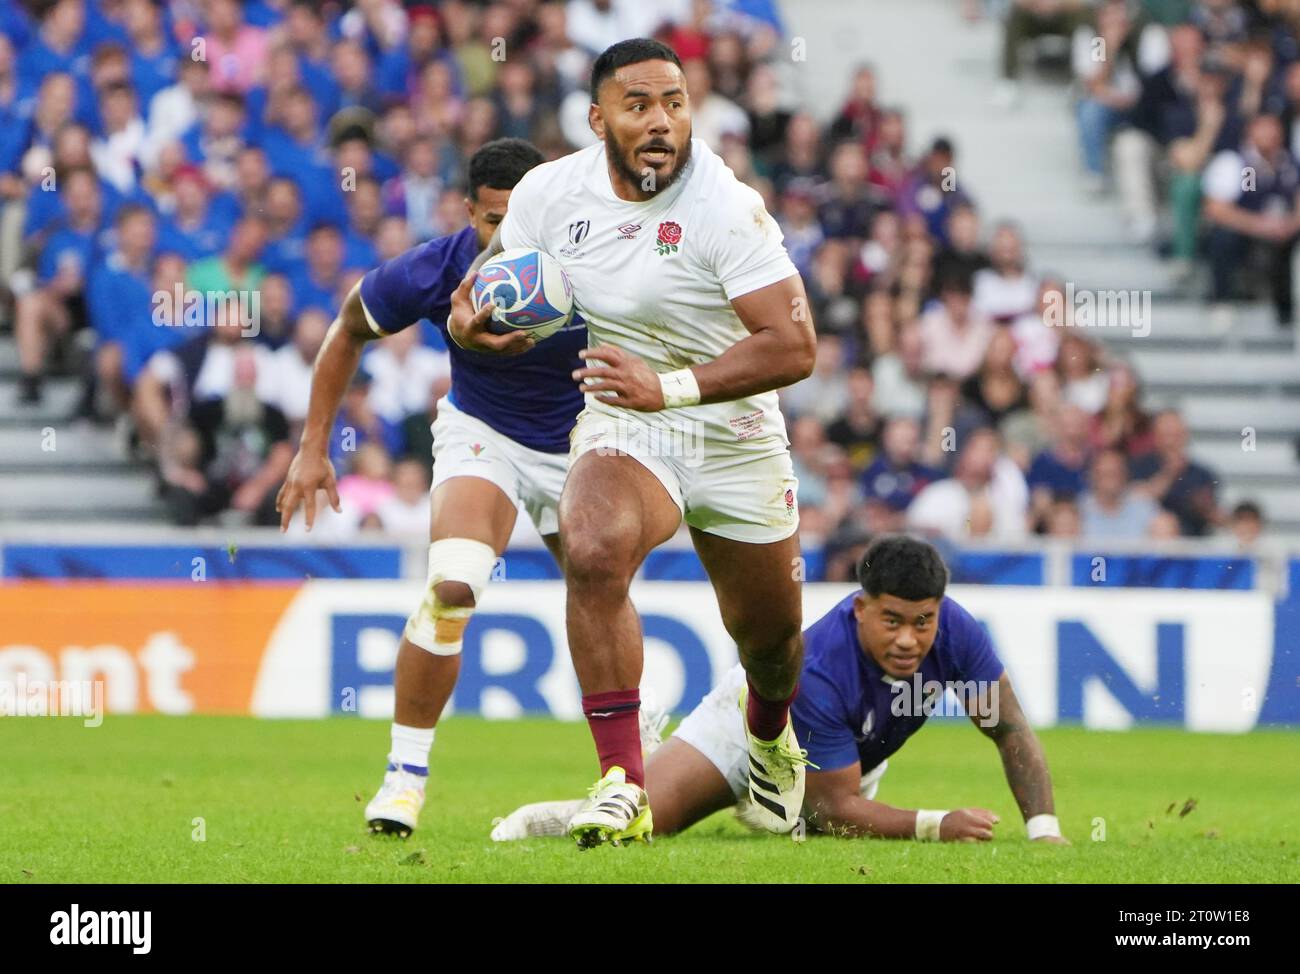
501,442
872,672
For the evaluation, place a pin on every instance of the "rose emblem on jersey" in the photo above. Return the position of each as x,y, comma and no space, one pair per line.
670,235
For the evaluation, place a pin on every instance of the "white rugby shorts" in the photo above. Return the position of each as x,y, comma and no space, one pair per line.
464,446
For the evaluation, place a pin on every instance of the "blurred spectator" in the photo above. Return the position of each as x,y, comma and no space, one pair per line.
802,158
236,50
402,373
900,376
996,390
1005,290
857,430
896,476
1105,65
932,191
358,424
368,481
193,228
293,366
1253,201
237,458
1183,487
962,254
954,334
1037,333
1028,20
118,151
803,234
848,207
406,511
1027,432
314,282
414,193
1247,524
890,166
1083,380
417,428
1111,511
1060,470
1122,424
986,496
824,394
57,304
1063,520
175,109
713,115
834,308
859,117
768,120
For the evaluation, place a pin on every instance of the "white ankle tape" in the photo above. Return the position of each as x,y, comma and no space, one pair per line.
435,626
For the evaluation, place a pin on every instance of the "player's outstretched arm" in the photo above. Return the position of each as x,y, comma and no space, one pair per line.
336,363
1023,760
836,807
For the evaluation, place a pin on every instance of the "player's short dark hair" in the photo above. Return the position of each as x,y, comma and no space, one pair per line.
904,567
501,163
632,51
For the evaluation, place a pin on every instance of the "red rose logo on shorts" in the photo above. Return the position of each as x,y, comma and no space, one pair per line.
670,235
789,501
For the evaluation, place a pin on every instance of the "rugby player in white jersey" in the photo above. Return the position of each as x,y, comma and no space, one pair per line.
696,316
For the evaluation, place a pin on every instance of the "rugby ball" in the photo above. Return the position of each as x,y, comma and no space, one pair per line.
528,290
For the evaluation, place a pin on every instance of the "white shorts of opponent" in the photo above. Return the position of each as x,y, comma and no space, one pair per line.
714,728
467,447
742,490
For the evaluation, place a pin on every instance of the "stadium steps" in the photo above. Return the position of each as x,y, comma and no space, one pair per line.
55,469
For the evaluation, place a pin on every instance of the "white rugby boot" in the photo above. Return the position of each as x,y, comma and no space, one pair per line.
395,810
776,776
616,811
540,820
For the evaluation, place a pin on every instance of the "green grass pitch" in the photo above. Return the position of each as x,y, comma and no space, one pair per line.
281,801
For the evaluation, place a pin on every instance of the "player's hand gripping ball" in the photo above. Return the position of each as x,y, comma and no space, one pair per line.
529,292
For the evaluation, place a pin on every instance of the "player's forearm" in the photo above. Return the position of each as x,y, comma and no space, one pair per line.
853,816
336,364
1025,766
759,363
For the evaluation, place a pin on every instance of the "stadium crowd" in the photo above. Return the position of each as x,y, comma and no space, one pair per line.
1188,108
151,151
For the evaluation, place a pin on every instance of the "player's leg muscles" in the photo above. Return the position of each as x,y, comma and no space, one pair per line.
612,513
684,786
470,525
758,594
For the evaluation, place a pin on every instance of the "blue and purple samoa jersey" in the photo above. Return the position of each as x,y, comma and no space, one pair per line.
848,709
530,398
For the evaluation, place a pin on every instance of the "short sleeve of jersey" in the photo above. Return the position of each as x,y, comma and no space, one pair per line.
821,724
520,228
743,244
972,649
390,295
1223,176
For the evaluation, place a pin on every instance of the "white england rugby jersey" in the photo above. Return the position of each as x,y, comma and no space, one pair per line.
656,278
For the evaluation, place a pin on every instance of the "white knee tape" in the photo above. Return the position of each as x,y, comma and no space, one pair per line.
436,626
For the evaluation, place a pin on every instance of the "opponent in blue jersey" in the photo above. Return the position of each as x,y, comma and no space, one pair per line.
500,441
875,667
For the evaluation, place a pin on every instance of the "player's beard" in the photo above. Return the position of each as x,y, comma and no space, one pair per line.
624,162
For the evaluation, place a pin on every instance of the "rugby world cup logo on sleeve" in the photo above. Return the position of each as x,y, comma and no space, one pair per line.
670,235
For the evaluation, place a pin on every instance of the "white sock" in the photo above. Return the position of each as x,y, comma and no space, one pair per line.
411,745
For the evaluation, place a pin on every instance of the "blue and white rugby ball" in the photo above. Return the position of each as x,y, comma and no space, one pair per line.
529,291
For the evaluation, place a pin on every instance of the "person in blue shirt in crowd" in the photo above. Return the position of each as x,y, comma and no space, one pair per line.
57,304
875,667
501,441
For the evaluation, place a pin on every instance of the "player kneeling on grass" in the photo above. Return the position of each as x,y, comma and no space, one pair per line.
872,672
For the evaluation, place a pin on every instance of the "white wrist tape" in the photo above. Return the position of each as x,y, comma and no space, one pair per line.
436,626
1042,825
680,388
927,824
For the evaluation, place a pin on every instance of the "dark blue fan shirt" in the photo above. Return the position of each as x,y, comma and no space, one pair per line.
530,398
845,710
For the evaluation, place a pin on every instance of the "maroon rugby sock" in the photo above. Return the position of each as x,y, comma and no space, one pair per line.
614,719
767,718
